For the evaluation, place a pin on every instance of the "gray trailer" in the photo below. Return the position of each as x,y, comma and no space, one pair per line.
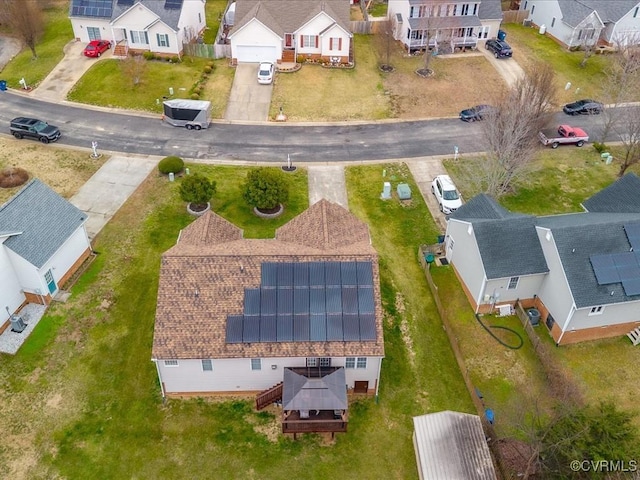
192,114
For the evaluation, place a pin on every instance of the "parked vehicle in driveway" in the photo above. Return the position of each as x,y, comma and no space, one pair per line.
583,107
21,127
476,113
446,193
563,134
265,73
500,48
95,48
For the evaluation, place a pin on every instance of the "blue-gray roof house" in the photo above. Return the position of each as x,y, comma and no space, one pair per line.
581,270
158,26
42,243
587,22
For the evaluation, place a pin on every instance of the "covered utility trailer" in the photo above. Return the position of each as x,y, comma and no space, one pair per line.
192,114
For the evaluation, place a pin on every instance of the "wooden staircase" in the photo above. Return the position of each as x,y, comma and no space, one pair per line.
288,56
269,396
121,50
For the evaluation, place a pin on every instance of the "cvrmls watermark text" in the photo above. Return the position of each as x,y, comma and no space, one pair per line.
604,465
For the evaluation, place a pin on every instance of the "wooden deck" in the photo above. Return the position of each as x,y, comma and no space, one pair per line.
324,421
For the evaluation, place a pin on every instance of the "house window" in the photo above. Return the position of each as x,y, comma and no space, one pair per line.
309,41
513,283
525,5
163,39
199,17
350,362
312,362
207,365
596,310
335,44
325,362
256,364
139,37
553,22
484,32
451,244
171,363
362,362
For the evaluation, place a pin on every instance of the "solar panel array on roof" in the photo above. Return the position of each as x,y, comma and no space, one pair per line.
618,267
307,301
125,2
92,8
633,234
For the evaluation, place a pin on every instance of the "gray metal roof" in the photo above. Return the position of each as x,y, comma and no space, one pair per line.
287,16
326,393
452,446
307,302
622,196
482,206
45,219
510,247
577,238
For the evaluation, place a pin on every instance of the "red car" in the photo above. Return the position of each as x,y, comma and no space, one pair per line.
96,48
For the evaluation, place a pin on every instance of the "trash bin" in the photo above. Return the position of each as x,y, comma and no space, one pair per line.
429,257
534,316
502,34
3,85
440,238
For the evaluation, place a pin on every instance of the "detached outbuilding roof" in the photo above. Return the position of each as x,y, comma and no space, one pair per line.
287,16
42,221
452,446
205,276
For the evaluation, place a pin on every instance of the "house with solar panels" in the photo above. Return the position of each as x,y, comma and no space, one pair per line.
43,241
137,26
296,318
580,270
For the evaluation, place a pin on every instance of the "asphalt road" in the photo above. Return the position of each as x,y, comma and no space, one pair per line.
148,135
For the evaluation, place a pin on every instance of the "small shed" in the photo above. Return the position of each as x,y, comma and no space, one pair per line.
451,446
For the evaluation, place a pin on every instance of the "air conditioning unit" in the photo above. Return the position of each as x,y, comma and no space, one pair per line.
526,23
17,323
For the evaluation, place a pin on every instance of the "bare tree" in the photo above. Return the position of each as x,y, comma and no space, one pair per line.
587,37
25,19
133,67
630,138
384,42
432,32
511,133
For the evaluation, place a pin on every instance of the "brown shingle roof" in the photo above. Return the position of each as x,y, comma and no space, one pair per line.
203,282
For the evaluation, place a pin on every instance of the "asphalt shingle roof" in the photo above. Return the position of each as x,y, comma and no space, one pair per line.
482,207
170,16
44,218
203,277
287,16
622,196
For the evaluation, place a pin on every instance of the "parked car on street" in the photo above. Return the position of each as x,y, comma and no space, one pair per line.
583,107
21,127
563,134
500,48
446,193
265,73
95,48
476,113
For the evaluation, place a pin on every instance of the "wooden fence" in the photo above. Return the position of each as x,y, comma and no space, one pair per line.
207,50
514,16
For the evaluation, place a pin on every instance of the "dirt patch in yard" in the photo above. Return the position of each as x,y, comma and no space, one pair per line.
64,170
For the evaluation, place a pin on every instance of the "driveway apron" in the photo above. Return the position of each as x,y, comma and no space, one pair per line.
327,181
248,100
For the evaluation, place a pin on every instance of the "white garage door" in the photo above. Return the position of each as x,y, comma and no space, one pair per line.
256,53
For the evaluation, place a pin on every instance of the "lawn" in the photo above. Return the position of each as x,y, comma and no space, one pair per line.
213,11
106,85
586,82
57,34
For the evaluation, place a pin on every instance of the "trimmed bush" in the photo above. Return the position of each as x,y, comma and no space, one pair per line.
207,69
195,96
599,147
149,55
197,190
170,165
266,188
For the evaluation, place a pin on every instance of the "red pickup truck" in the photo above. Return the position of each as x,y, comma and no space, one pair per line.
563,134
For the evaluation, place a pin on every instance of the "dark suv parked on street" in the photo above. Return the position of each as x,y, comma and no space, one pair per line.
500,48
30,127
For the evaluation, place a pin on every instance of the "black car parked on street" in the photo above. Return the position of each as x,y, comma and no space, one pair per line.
583,107
21,127
500,48
478,112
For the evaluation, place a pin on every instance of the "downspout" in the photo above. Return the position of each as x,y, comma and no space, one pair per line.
160,379
478,300
378,379
566,326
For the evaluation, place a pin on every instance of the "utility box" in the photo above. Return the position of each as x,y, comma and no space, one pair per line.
386,191
404,191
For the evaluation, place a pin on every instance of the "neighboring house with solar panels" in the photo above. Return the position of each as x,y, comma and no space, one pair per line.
234,313
159,26
445,26
587,22
42,243
281,30
581,270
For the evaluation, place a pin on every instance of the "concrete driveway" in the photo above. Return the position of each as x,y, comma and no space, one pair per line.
508,68
248,101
